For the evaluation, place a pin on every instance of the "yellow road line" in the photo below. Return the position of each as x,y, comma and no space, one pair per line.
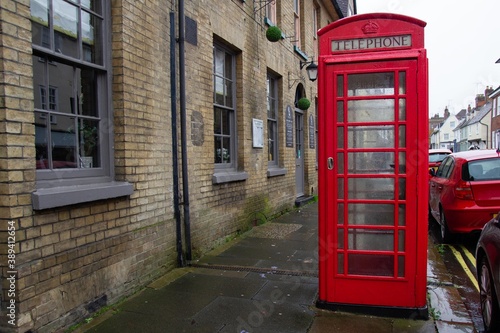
462,263
469,256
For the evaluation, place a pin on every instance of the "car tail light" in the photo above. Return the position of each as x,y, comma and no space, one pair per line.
464,191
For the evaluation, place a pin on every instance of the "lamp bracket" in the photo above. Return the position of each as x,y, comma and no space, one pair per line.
292,80
262,4
303,63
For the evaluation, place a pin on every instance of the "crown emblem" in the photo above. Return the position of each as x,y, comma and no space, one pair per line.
370,28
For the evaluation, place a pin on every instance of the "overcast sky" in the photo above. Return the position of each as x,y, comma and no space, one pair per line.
462,42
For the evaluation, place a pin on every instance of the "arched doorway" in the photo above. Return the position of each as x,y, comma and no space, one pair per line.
299,142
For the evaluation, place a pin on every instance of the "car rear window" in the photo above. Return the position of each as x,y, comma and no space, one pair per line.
437,157
487,169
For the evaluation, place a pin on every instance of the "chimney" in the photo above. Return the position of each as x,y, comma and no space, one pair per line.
446,113
480,100
487,93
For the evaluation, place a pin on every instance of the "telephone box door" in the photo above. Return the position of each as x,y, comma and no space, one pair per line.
372,182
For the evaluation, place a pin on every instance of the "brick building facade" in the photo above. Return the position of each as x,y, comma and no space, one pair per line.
92,204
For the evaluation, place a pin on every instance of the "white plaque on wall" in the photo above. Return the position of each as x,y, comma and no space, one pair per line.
258,133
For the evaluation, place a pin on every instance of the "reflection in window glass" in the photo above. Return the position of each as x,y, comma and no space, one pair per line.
72,28
371,110
224,118
89,142
340,238
340,163
92,44
371,136
370,84
41,140
370,264
63,143
402,215
402,136
40,23
370,214
340,214
340,137
371,188
402,162
272,120
223,80
340,112
66,27
402,188
371,240
340,263
340,188
371,162
402,82
402,109
340,85
69,90
401,247
401,266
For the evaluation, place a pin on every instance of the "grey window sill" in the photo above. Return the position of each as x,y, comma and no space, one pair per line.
273,172
69,195
221,177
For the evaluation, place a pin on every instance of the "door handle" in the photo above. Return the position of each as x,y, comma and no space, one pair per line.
330,163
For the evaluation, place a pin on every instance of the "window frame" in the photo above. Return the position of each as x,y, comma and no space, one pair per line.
445,168
271,11
230,110
272,102
297,24
227,172
66,186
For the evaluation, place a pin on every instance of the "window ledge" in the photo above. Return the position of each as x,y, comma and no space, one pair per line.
273,172
220,177
300,53
70,195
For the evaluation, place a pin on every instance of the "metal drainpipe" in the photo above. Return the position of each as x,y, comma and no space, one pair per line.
175,165
182,100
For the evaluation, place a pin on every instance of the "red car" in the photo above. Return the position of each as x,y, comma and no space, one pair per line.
464,192
436,156
488,274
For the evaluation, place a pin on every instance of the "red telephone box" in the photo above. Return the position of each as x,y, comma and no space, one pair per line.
373,154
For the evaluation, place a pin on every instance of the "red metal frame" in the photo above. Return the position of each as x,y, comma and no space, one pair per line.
405,291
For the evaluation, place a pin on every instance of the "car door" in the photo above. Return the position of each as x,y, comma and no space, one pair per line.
438,185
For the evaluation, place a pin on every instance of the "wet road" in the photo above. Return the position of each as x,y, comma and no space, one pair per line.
460,263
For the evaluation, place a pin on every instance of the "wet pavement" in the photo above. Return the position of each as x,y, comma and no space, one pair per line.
266,281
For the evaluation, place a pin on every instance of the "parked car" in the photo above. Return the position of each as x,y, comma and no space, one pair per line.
488,274
436,156
464,192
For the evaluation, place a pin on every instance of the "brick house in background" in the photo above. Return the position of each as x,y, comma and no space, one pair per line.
107,187
475,130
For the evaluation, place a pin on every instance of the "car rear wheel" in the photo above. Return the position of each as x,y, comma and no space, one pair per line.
446,236
487,298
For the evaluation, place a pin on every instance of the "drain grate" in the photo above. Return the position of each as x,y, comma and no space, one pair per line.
257,270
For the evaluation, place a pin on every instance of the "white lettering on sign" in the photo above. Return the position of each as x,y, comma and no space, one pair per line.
371,43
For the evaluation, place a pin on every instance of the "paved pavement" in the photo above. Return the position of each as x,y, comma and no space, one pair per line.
266,281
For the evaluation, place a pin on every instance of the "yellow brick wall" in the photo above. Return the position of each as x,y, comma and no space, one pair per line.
235,205
98,252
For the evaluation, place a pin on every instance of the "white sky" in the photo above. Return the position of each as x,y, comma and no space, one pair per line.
462,39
